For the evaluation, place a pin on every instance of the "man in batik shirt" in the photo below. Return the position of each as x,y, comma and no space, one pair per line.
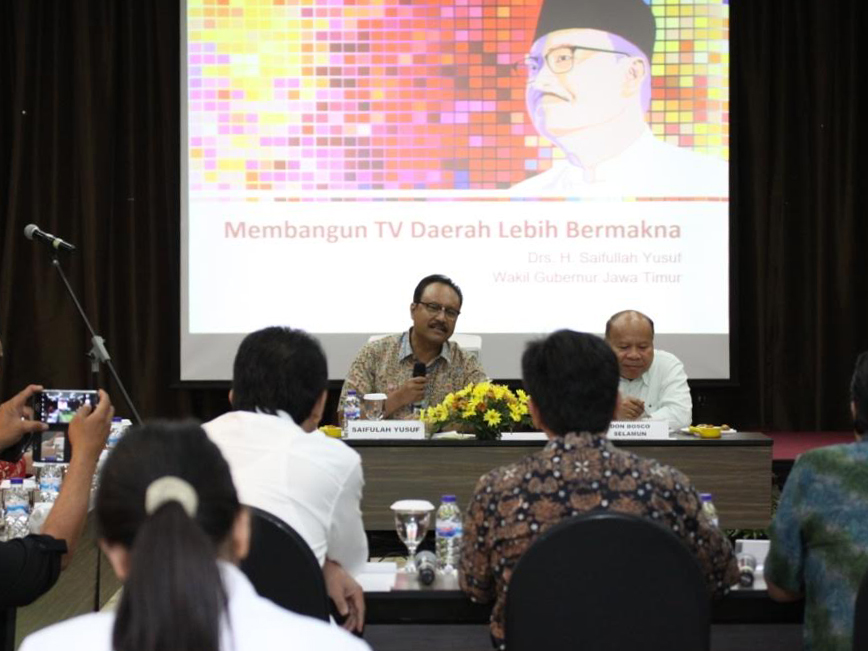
573,382
386,365
819,537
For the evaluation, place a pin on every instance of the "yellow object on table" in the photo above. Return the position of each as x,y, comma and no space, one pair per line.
331,430
707,431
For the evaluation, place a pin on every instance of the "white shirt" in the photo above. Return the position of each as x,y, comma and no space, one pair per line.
310,481
256,624
647,168
663,388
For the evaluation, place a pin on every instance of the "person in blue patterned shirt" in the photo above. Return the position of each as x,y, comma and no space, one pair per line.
819,536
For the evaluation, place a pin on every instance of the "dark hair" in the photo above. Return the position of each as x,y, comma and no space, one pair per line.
436,278
635,313
572,378
279,368
859,393
173,597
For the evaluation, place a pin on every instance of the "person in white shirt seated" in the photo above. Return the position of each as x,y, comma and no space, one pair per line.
653,382
282,464
171,525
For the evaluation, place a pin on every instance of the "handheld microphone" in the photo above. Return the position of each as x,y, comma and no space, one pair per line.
426,567
32,231
419,370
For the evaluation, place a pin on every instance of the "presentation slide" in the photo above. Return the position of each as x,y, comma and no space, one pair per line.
561,160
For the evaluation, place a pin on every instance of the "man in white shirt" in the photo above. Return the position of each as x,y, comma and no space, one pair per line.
280,463
588,90
653,382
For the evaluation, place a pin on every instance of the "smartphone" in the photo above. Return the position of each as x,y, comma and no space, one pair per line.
56,408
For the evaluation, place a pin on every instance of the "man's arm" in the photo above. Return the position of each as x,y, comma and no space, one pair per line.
629,408
779,594
473,371
784,566
674,403
360,377
412,391
347,551
347,595
16,417
706,540
347,542
475,575
88,432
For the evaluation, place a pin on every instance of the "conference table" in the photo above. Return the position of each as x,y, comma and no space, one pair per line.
394,597
736,469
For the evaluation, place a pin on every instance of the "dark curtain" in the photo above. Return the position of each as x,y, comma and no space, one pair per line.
90,148
800,205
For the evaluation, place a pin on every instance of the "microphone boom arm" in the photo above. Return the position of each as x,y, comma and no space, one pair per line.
98,353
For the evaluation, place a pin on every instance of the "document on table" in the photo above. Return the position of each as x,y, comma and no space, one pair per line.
523,436
378,577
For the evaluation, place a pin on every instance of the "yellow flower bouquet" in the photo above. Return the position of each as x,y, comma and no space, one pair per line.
483,408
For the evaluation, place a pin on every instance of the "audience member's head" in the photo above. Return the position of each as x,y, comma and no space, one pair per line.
572,378
631,336
859,395
166,510
280,369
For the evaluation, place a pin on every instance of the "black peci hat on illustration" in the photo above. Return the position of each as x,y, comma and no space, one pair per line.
629,19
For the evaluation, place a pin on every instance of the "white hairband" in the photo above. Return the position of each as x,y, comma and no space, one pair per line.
171,489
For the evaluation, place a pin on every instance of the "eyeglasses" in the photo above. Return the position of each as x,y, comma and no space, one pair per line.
436,308
559,60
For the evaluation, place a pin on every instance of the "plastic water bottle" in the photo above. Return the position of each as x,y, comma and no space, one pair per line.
352,407
50,480
17,504
448,534
117,431
709,509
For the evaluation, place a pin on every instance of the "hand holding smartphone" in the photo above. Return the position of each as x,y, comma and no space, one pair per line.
56,408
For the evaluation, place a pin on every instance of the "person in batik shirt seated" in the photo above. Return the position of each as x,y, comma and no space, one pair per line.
572,378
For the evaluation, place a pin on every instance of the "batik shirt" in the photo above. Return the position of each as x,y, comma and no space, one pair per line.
819,540
385,364
573,474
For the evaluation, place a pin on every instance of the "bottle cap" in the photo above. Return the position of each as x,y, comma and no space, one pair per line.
351,392
15,481
705,497
447,498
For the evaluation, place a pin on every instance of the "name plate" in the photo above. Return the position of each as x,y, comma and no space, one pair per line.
638,429
385,429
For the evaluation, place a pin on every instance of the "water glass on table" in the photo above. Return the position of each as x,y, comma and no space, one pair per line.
373,406
412,520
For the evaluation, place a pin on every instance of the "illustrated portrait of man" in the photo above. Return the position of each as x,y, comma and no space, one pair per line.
588,90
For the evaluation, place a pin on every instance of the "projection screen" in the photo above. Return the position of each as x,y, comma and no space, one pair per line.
560,166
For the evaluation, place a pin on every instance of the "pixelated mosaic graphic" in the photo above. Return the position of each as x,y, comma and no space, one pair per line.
286,96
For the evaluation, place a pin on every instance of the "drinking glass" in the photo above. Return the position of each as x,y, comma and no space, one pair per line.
373,406
412,519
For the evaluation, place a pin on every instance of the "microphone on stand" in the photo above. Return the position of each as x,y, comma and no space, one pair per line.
419,370
32,231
